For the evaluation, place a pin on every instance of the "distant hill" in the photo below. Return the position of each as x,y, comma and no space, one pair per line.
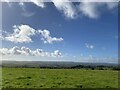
53,64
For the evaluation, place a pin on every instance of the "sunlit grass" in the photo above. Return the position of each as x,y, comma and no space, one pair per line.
59,78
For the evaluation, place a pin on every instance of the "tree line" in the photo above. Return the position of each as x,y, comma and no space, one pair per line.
92,67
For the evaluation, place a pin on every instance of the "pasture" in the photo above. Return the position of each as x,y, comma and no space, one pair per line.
58,78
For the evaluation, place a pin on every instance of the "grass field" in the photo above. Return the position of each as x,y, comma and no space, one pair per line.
58,78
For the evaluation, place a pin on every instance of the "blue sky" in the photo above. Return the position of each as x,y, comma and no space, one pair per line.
84,32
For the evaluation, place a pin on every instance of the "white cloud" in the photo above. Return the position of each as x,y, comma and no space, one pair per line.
88,9
4,51
92,9
5,1
45,34
38,52
8,2
22,5
111,5
14,51
39,3
66,7
21,34
89,46
2,32
26,51
57,53
94,59
27,14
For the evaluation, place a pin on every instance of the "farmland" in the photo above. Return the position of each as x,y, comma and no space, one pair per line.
58,78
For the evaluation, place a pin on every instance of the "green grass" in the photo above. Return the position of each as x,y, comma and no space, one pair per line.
58,78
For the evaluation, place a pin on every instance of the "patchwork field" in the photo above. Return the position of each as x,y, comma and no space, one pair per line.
58,78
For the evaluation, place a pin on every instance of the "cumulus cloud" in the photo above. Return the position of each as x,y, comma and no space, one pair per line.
24,34
22,5
92,9
21,34
111,4
89,46
4,51
26,51
46,38
89,8
39,3
67,8
56,53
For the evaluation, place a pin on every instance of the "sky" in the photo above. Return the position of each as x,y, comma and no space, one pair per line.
60,31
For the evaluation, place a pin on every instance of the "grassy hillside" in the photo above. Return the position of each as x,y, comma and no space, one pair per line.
58,78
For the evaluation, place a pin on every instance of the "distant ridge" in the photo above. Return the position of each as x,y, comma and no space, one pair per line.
54,64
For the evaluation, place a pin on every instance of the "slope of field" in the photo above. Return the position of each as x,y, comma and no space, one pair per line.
58,78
